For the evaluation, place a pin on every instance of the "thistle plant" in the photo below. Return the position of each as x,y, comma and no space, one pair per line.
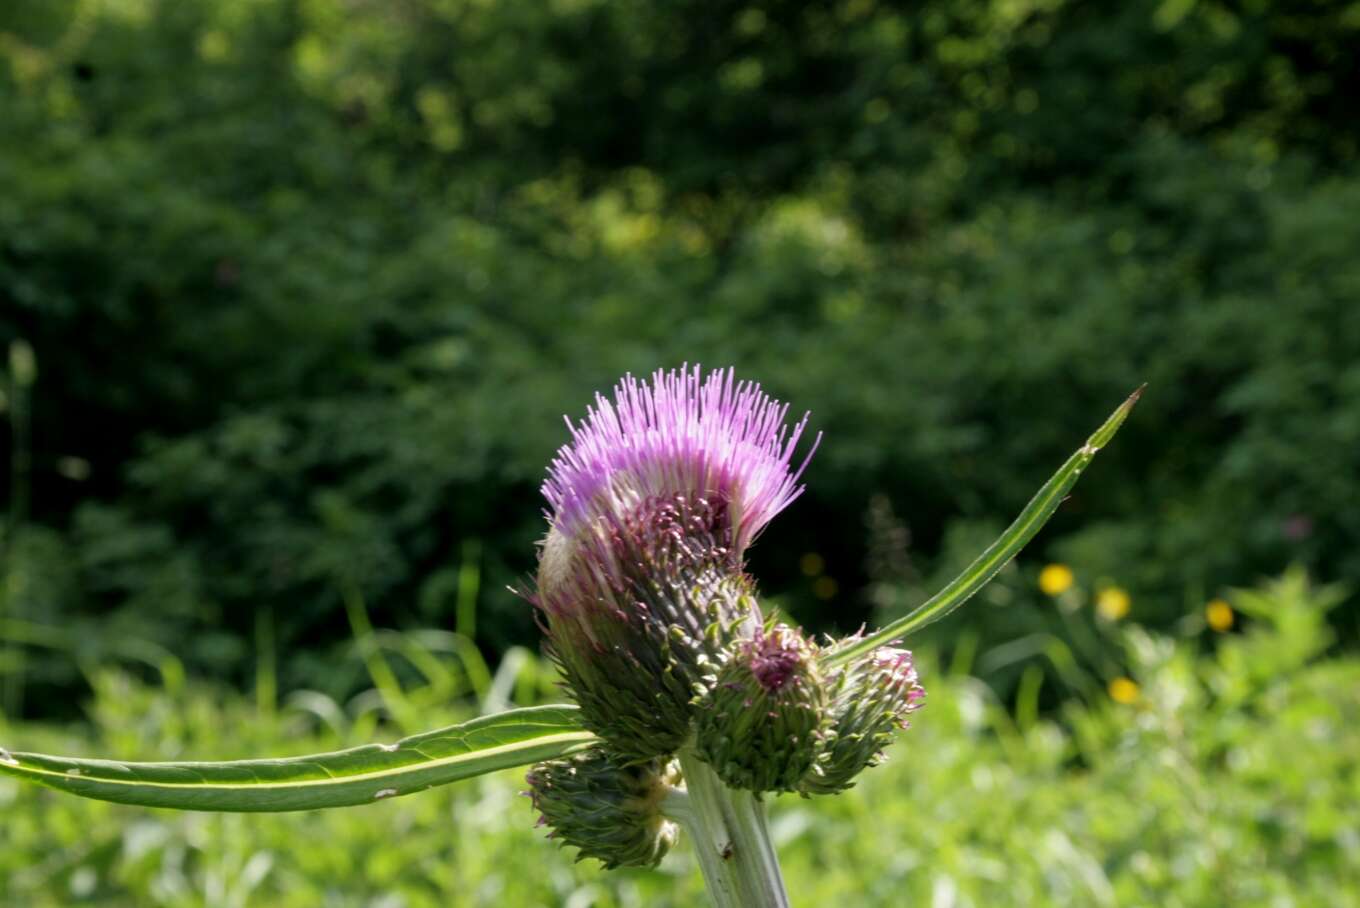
692,706
641,581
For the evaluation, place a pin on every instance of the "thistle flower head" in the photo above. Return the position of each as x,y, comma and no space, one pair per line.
871,699
607,810
761,725
641,580
713,438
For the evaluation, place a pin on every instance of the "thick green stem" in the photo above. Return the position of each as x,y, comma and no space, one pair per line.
731,839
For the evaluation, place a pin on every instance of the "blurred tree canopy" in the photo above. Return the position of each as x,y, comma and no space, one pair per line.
309,284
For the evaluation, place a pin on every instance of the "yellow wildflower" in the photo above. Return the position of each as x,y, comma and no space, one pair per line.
1219,615
1113,603
1124,690
1055,579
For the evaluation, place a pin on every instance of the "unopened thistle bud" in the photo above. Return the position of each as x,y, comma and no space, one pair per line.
761,724
870,700
641,580
609,811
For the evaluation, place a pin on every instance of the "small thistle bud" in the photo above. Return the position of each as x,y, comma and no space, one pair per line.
761,725
609,811
641,581
870,700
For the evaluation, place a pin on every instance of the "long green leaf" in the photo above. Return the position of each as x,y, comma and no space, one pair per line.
999,553
362,775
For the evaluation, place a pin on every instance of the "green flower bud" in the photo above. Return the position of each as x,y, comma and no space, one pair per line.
609,811
870,699
761,724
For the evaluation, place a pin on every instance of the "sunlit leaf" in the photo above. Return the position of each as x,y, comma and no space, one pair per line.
362,775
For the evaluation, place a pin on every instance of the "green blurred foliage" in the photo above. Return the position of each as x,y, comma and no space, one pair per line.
310,282
1229,777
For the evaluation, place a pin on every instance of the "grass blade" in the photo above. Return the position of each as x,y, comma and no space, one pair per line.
361,775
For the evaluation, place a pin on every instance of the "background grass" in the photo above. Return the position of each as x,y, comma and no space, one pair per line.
1228,778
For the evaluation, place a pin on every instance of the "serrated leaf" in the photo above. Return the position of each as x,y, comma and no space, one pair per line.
361,775
1032,519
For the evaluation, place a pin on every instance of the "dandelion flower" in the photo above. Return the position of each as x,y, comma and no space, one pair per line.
1219,615
1056,579
1124,690
1113,603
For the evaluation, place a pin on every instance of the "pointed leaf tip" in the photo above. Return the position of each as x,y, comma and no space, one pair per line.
1102,436
996,556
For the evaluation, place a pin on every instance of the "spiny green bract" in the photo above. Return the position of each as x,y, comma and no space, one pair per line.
638,613
870,699
606,809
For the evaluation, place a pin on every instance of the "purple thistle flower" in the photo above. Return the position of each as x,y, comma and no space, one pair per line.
641,581
774,658
714,439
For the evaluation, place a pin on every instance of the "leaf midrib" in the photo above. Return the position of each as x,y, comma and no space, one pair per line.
319,782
